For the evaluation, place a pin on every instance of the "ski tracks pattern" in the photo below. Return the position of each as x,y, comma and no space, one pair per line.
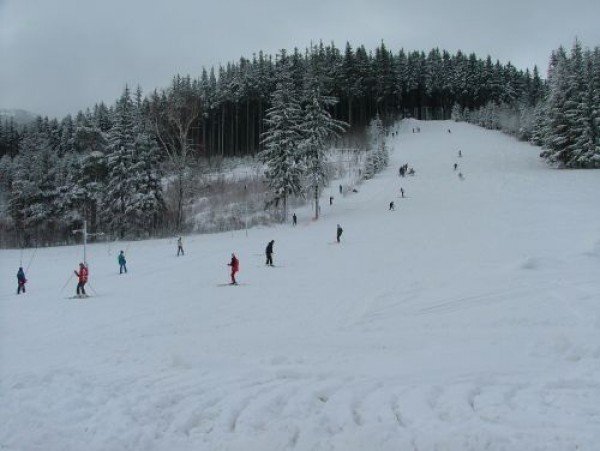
286,409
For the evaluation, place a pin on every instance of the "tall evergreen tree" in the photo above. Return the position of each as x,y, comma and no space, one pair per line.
119,162
317,128
281,154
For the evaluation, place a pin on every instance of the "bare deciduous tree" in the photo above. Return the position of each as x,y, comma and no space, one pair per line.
174,111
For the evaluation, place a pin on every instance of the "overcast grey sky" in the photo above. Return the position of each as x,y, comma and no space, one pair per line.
59,56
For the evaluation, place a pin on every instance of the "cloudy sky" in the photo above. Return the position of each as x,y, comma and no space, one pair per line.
59,56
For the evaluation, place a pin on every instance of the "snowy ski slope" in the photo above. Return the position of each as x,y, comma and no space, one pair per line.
467,319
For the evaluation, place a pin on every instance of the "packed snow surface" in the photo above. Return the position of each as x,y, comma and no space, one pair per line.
466,319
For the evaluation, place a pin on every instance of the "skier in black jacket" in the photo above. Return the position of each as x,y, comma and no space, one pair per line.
269,252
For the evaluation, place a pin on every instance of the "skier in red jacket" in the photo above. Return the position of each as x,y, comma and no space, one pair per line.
235,267
83,278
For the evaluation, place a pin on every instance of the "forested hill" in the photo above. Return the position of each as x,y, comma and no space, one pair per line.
125,168
231,100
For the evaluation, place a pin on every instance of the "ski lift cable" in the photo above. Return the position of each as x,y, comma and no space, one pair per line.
31,259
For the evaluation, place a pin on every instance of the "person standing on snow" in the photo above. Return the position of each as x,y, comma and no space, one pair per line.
391,206
294,219
235,267
330,200
122,263
455,166
83,278
341,189
339,233
21,280
180,247
269,252
402,192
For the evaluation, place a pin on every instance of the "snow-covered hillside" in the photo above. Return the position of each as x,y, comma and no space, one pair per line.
466,319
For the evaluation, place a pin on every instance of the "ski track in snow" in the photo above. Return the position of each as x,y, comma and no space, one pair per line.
467,319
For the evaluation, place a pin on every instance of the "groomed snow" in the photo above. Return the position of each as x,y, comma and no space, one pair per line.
467,319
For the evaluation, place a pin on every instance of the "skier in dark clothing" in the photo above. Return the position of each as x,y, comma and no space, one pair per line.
269,252
235,267
402,192
21,280
122,263
341,189
459,154
339,233
294,219
391,206
83,278
455,166
180,247
330,200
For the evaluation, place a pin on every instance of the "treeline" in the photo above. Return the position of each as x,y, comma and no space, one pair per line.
232,99
566,123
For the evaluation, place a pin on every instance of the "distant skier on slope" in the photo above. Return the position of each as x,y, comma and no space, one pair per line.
122,263
83,278
455,166
402,192
330,200
459,154
294,219
180,247
339,232
235,267
269,253
391,206
21,280
341,189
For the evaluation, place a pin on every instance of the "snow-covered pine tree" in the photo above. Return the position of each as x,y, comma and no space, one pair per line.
317,129
89,185
281,140
119,187
577,111
377,157
34,187
595,89
538,124
556,133
585,147
146,206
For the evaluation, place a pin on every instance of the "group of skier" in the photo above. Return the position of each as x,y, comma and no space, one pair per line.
234,264
405,170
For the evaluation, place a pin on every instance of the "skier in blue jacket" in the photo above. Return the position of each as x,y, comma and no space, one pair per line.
21,280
